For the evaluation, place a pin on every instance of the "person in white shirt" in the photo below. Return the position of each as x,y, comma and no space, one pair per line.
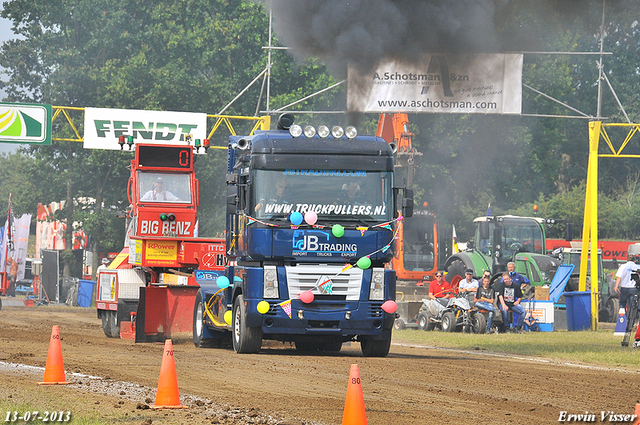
625,286
158,194
468,284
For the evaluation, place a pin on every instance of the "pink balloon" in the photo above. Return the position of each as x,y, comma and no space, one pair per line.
307,297
389,306
311,217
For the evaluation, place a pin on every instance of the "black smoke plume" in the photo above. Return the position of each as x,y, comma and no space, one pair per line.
360,33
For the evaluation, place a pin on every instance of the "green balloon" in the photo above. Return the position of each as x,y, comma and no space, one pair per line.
337,230
364,263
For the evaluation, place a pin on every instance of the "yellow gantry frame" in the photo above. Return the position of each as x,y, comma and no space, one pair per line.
261,123
590,225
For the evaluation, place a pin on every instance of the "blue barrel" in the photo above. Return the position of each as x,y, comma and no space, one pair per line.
578,310
85,292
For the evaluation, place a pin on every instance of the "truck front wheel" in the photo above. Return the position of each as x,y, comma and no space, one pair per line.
245,339
375,347
198,324
110,325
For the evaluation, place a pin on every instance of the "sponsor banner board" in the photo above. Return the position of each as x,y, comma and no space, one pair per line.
161,251
25,123
482,83
103,127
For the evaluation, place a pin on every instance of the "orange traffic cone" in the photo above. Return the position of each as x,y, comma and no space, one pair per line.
354,413
54,369
167,395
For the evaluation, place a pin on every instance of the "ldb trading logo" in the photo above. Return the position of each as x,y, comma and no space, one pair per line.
25,123
318,243
308,240
207,275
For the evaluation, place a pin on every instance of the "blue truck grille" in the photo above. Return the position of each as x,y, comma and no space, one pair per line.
375,310
304,277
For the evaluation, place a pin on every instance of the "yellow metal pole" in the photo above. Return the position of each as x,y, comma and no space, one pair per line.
594,138
586,231
265,123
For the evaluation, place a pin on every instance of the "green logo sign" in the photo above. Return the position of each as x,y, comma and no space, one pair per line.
25,123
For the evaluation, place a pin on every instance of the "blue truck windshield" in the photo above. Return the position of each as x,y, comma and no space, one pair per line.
332,194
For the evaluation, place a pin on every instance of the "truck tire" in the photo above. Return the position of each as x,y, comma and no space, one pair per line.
456,268
198,324
245,339
110,325
331,345
449,321
375,347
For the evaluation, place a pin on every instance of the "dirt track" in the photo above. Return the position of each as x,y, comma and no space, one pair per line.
413,385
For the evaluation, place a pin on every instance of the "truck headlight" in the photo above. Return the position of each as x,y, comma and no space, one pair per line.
337,132
351,132
295,130
376,291
270,282
309,131
323,131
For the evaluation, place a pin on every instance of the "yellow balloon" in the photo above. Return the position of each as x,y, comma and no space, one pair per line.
228,316
263,307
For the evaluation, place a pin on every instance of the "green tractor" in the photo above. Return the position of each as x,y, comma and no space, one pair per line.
501,239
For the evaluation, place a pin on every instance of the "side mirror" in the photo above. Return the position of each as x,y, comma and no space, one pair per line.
232,199
407,203
568,232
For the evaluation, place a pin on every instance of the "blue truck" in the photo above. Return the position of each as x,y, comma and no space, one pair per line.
311,218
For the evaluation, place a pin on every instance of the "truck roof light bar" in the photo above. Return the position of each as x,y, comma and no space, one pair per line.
323,131
309,131
337,131
295,130
351,132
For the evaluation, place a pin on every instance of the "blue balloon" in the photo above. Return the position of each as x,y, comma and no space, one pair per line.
296,218
222,282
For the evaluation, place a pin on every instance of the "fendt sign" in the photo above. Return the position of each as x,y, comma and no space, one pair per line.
25,123
103,126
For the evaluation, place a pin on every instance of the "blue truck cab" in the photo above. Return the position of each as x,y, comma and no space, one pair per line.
311,219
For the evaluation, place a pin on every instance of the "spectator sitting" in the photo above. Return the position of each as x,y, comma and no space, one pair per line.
468,285
485,299
510,296
439,289
530,321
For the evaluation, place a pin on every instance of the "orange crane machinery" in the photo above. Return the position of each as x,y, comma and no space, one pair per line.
416,254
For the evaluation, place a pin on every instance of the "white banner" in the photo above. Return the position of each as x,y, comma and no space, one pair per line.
483,83
103,126
20,243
